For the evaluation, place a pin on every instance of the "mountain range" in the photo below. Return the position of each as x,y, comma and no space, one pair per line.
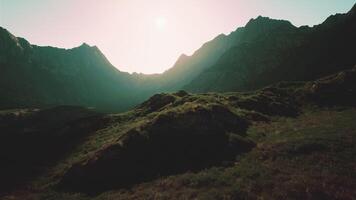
263,52
266,112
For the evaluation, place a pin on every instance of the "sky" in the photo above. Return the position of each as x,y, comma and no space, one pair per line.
148,36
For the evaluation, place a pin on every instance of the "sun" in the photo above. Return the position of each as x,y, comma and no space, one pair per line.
161,22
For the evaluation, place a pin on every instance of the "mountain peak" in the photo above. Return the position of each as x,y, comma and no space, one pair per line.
6,34
9,41
84,45
262,21
183,57
2,30
87,48
261,25
258,19
353,9
352,12
220,36
337,18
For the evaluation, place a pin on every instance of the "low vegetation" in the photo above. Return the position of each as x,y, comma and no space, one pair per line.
280,142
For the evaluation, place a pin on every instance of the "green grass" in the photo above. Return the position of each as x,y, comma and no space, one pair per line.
310,157
306,157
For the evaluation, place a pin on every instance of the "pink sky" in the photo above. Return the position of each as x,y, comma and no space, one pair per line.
127,31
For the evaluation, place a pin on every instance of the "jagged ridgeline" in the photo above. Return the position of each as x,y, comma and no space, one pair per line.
268,51
33,76
263,52
283,126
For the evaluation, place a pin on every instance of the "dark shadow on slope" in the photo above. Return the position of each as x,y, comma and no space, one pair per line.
273,100
172,142
337,89
31,140
192,132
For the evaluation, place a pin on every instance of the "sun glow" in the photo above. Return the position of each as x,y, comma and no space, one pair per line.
149,36
161,22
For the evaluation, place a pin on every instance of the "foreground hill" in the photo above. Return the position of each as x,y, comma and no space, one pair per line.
31,139
292,140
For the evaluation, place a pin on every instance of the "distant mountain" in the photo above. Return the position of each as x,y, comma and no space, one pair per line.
188,67
289,140
33,76
263,52
269,51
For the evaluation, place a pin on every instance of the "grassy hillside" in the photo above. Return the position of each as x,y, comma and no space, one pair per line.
308,157
292,140
31,140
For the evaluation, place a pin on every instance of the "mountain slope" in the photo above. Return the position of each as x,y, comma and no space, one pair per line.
308,157
263,52
188,67
33,76
270,51
289,140
33,139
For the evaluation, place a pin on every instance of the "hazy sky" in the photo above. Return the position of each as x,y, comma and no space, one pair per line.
149,35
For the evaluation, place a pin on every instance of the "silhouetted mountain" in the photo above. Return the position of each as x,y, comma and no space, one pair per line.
188,67
263,52
33,76
288,140
269,51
